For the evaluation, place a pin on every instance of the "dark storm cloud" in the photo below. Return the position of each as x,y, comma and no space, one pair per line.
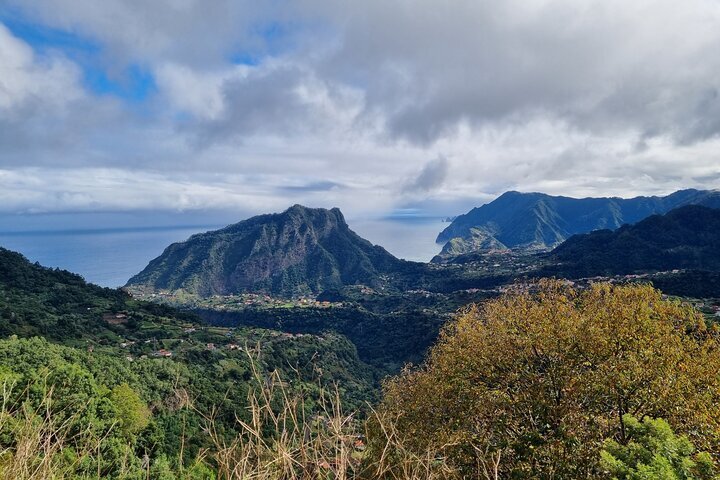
263,102
603,66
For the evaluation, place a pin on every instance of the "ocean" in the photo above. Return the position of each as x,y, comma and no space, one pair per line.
110,256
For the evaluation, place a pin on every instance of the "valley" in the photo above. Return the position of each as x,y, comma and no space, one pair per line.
301,296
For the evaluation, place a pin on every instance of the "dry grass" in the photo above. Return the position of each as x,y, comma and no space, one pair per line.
281,441
43,443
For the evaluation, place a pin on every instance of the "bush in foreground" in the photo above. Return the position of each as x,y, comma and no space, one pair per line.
531,384
655,453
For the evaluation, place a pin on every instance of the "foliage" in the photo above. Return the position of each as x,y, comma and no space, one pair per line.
689,283
521,219
541,377
280,438
654,452
156,407
132,412
59,305
383,340
684,238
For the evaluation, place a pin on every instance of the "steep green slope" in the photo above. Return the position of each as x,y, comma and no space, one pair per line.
60,305
299,251
59,332
538,220
684,238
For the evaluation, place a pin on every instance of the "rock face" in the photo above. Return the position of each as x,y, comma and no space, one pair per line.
540,221
300,251
684,238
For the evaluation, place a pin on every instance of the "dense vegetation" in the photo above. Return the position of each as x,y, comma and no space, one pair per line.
685,238
543,382
654,451
385,341
538,220
537,380
52,303
107,347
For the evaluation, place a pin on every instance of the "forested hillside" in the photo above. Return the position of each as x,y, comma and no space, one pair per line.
685,238
541,221
149,378
559,382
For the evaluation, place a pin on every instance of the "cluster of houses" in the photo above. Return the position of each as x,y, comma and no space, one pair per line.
208,346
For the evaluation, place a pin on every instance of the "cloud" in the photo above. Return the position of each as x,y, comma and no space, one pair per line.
432,176
316,186
194,32
603,66
278,99
331,102
27,80
83,190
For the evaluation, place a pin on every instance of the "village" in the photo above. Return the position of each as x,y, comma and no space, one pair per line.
228,302
148,339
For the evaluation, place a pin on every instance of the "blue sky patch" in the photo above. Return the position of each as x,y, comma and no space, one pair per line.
132,83
42,38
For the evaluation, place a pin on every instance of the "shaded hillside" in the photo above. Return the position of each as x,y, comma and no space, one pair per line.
299,251
537,220
685,238
60,305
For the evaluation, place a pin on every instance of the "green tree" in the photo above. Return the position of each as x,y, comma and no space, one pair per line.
655,453
132,411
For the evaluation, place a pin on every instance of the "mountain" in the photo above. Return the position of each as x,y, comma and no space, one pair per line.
300,251
541,221
685,238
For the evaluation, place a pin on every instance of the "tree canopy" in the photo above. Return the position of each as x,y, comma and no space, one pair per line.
655,453
541,376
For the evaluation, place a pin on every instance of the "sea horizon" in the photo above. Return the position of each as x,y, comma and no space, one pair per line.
110,256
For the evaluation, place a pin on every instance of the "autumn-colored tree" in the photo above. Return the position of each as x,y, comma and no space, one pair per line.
541,376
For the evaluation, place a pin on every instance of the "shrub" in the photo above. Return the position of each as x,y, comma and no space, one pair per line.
655,453
539,377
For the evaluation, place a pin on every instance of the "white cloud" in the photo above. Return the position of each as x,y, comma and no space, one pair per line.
25,78
579,97
49,190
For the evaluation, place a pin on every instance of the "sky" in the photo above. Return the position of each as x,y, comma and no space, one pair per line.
379,107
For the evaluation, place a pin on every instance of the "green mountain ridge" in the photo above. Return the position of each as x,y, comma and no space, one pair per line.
686,238
141,375
541,221
300,251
